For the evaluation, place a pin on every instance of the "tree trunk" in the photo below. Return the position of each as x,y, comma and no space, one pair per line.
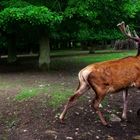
44,57
91,49
12,50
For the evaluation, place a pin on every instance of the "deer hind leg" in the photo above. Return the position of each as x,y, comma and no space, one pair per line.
83,87
95,103
125,102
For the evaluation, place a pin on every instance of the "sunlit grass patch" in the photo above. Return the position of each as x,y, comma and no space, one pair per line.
104,56
27,93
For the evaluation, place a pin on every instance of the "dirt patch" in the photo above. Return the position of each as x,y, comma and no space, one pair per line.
33,119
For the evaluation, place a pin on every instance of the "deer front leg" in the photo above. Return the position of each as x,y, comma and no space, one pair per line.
125,102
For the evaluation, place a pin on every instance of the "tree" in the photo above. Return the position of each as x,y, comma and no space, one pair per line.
18,18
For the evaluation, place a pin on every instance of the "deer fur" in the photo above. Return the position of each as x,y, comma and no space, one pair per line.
106,78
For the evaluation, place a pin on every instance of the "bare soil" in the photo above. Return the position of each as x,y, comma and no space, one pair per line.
34,120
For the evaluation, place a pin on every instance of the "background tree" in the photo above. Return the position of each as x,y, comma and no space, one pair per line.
22,20
29,24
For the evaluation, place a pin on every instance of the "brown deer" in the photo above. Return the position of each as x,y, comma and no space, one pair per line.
108,77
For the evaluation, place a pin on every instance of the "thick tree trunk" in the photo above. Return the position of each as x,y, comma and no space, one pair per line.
11,54
91,49
12,50
44,57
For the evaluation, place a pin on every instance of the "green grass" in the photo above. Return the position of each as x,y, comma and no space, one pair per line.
57,94
59,97
27,93
67,52
99,57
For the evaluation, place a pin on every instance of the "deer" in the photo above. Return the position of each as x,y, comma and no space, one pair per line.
107,78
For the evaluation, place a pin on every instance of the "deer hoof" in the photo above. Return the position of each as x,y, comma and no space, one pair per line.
108,125
124,119
62,121
138,113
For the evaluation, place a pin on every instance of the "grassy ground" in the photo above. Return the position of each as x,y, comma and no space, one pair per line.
56,91
31,101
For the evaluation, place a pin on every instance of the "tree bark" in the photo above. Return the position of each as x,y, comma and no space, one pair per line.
44,57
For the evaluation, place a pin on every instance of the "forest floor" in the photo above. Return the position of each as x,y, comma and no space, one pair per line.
35,119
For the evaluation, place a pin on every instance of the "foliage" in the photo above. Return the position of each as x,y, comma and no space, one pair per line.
27,22
75,20
94,20
99,35
14,3
31,15
132,7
